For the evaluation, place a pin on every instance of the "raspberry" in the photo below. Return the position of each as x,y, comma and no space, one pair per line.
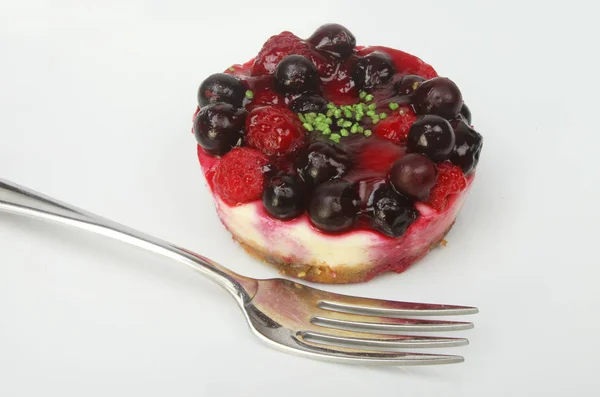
286,43
396,126
274,131
239,176
450,180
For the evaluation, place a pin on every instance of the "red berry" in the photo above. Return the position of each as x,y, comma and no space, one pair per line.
239,177
274,131
266,98
397,125
451,180
286,43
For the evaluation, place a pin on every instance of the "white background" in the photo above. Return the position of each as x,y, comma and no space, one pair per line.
95,109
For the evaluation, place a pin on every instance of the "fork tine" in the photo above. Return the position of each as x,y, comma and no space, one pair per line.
358,340
392,325
350,355
385,308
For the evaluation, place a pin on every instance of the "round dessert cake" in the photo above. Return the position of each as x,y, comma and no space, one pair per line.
335,162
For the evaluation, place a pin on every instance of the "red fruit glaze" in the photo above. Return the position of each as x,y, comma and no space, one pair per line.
451,180
286,43
396,126
266,98
239,176
274,131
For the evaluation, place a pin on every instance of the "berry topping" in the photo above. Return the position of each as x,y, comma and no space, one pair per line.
372,69
467,147
334,206
282,45
395,126
391,213
432,136
466,113
219,127
309,103
335,39
266,98
413,175
239,177
408,84
274,131
221,87
439,96
322,163
295,74
451,180
284,196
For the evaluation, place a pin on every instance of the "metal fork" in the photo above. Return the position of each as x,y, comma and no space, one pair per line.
286,315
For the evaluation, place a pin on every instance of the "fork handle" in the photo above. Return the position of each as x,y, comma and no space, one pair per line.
23,201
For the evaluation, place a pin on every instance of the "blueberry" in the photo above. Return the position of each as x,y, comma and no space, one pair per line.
391,213
221,87
334,206
413,175
322,162
467,148
335,39
439,96
219,127
432,136
466,113
308,103
284,196
372,69
408,84
295,74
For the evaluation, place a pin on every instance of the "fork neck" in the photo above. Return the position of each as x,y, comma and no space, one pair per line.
23,201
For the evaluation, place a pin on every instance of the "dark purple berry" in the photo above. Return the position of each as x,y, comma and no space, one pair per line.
295,74
466,113
432,136
335,39
334,206
467,148
413,175
284,196
309,103
439,96
408,84
219,127
322,163
391,213
221,87
372,69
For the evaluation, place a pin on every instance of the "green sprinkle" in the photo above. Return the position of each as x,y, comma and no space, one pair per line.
232,69
382,116
321,127
335,138
368,132
372,106
326,131
347,124
369,98
354,128
359,116
249,94
348,113
337,113
301,117
312,114
340,122
361,129
375,119
328,121
371,113
308,126
393,105
344,132
362,95
331,106
330,113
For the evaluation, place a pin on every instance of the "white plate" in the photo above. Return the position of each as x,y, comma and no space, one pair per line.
95,108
